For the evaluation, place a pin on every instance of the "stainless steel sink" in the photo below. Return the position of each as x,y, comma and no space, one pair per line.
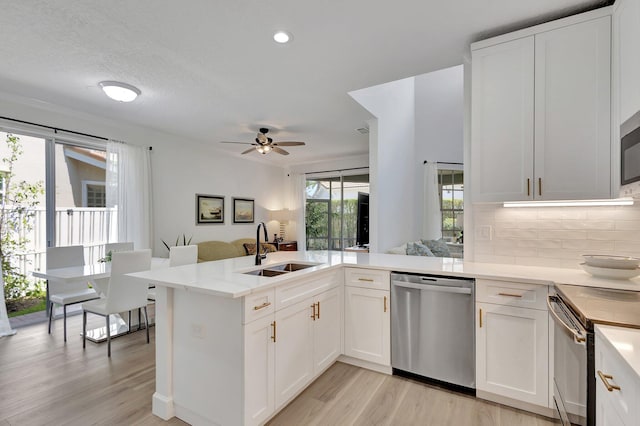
266,273
275,270
290,267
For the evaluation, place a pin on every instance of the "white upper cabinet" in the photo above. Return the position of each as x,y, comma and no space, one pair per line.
573,112
627,42
541,113
502,121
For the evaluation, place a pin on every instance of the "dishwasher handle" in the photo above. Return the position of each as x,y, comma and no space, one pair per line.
577,334
441,288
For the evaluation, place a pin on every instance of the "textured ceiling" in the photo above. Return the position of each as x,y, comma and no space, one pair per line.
209,70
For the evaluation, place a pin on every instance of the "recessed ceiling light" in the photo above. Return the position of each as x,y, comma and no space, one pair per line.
282,37
121,92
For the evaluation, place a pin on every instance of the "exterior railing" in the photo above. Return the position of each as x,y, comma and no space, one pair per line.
90,227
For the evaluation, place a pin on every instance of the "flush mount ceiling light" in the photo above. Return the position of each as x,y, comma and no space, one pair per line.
282,37
121,92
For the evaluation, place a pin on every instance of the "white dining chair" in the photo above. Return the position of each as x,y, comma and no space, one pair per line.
63,293
183,255
124,294
114,247
178,256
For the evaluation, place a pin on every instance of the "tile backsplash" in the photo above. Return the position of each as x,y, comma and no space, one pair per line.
554,236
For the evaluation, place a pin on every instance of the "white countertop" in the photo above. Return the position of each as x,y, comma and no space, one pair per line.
225,277
626,341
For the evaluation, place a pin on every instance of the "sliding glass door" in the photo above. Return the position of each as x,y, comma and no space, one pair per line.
331,211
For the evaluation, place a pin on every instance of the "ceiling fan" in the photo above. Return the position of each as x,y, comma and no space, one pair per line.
264,144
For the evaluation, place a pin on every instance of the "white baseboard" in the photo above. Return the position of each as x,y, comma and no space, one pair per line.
162,406
384,369
526,406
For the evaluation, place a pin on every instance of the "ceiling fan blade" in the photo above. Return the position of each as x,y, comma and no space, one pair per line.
242,143
289,143
279,150
248,151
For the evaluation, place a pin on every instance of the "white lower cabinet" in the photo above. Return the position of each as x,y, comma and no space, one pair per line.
294,350
617,386
259,370
286,350
367,327
512,352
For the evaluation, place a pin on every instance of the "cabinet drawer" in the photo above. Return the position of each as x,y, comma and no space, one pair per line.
367,278
617,373
258,305
532,296
290,246
289,294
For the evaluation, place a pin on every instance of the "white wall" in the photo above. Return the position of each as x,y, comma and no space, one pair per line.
394,216
180,168
439,115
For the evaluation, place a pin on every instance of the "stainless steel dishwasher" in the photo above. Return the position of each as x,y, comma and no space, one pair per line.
433,329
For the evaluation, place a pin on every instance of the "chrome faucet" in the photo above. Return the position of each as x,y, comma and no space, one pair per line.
260,256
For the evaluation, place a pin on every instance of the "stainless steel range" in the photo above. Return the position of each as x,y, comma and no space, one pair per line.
575,310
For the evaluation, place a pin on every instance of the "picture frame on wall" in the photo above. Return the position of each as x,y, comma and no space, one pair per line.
243,210
209,209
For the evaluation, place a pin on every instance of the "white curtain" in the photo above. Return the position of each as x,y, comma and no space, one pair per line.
297,203
129,192
5,326
432,221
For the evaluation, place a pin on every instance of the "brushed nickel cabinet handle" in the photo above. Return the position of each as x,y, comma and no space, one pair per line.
264,305
605,379
369,280
273,325
509,295
540,187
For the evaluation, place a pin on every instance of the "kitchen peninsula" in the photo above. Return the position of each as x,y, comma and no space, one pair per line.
234,348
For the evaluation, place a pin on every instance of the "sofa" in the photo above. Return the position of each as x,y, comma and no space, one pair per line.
218,250
429,248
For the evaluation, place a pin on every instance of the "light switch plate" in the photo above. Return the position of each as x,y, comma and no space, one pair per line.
484,233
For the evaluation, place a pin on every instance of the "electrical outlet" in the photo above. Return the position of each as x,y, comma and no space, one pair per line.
483,233
197,331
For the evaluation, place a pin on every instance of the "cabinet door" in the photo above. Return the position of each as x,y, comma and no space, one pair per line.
259,370
294,350
573,112
367,325
627,26
502,121
512,350
327,333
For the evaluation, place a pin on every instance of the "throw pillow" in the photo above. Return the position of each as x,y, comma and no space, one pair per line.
250,248
438,247
417,249
398,250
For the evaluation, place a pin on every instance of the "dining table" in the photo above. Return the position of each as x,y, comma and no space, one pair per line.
98,275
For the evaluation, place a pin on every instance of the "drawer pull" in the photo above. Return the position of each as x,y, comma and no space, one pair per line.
604,378
509,295
369,280
264,305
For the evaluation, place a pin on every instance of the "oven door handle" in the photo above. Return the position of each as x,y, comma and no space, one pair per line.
577,336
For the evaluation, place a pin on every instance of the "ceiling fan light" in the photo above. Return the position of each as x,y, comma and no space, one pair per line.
260,149
267,148
121,92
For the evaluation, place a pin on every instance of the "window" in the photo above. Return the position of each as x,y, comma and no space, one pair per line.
450,187
332,211
95,194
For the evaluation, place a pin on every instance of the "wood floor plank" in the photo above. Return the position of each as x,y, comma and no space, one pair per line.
47,382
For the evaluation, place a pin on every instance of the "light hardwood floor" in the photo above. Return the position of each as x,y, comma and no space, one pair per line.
45,382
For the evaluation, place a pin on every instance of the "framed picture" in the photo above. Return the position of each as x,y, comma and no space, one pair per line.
243,209
209,209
